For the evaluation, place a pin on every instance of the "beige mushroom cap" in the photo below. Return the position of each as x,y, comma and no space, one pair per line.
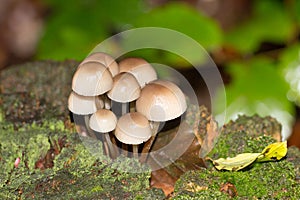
140,68
103,121
105,59
92,79
125,88
161,101
81,105
133,128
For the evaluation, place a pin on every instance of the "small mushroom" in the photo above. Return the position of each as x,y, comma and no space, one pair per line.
125,90
104,59
160,101
140,69
133,129
92,79
82,107
110,63
102,122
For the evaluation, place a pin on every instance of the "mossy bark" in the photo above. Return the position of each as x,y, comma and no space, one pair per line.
55,162
267,180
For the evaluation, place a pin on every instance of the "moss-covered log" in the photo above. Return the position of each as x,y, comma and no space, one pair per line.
41,157
267,180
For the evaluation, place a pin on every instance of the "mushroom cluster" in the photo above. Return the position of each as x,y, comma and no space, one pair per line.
122,104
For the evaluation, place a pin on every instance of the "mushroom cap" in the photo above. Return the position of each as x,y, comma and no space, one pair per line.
140,68
133,128
125,88
92,79
105,59
81,105
161,101
103,121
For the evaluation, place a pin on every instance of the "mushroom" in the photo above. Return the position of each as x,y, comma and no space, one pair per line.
140,69
82,106
105,60
160,101
102,122
125,90
92,79
109,62
133,129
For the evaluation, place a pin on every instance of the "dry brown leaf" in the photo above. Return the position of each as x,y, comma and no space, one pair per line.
210,139
161,179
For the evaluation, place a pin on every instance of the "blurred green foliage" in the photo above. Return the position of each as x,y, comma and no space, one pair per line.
185,19
257,87
265,78
289,67
74,29
270,22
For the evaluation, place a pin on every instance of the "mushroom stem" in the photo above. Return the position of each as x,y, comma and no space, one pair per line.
135,151
146,149
111,147
125,149
154,127
103,102
107,102
119,108
100,137
99,102
90,132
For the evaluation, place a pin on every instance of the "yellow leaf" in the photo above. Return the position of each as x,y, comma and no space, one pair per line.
273,152
236,163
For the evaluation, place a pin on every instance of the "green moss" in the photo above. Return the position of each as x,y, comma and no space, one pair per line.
267,180
293,156
2,117
32,126
233,143
272,180
77,159
80,170
95,179
254,126
41,95
36,149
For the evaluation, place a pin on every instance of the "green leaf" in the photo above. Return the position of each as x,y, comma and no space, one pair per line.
270,22
187,20
74,28
296,7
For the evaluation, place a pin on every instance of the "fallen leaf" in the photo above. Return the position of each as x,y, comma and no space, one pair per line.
236,163
273,152
161,179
